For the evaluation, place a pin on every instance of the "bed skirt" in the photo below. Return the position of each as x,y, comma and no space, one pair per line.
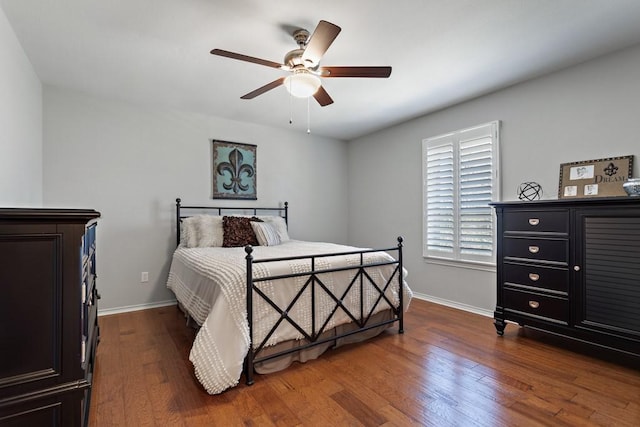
304,355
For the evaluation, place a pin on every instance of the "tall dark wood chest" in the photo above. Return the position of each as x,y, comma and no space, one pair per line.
48,316
572,267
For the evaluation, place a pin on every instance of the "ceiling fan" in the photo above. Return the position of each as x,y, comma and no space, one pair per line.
304,65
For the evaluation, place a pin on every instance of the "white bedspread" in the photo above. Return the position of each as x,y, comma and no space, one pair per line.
210,283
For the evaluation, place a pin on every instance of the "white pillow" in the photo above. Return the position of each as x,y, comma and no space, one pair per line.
279,224
188,232
209,231
266,234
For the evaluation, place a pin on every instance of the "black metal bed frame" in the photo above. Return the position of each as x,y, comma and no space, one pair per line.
363,319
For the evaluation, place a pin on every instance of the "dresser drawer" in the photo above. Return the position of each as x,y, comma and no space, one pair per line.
549,307
537,221
554,250
551,278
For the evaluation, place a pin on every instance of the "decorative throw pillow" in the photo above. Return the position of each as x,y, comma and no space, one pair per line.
265,233
210,231
279,224
238,231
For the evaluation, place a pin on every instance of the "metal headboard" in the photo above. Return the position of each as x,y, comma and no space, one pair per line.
221,210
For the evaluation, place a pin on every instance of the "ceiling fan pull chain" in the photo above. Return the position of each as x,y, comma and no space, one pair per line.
308,115
290,105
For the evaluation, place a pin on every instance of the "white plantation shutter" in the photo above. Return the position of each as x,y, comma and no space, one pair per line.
440,183
460,173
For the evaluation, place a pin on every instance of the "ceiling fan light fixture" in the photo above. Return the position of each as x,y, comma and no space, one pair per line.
302,84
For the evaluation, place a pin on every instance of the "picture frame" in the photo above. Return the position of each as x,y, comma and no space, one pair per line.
234,170
595,178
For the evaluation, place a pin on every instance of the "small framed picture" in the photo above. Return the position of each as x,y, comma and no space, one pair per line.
595,178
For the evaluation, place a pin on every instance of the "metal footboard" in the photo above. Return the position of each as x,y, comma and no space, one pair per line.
361,318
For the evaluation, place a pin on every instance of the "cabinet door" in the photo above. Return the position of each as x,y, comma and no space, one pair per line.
608,277
31,312
57,410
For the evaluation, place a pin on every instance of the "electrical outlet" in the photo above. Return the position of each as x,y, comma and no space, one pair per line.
144,277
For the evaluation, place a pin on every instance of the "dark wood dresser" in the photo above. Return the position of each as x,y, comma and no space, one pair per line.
571,267
48,316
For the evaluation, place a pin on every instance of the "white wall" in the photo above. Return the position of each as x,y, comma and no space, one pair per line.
130,163
20,124
586,112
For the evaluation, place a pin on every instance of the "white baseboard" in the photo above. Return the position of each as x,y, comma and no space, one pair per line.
136,307
441,301
454,304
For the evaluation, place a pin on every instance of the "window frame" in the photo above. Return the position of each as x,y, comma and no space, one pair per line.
455,139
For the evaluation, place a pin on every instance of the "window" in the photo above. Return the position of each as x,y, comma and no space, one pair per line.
460,179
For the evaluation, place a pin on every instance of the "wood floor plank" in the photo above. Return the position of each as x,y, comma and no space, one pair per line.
363,412
107,401
449,368
273,405
297,401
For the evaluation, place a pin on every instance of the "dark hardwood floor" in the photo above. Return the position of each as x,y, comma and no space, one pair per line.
449,368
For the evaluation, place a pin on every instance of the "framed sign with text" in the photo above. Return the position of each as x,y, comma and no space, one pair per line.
595,178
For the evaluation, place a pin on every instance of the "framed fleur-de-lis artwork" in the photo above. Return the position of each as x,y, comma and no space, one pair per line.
234,170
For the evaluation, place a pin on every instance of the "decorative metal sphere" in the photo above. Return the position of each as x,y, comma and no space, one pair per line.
529,191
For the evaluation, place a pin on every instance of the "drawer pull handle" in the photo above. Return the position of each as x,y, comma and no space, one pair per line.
534,221
534,249
534,304
534,277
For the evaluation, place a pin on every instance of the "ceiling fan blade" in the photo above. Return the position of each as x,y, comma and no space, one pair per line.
322,97
324,34
246,58
274,84
379,72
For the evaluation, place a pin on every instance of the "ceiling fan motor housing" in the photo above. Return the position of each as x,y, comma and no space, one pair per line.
293,59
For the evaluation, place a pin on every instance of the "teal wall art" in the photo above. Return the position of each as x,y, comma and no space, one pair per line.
234,170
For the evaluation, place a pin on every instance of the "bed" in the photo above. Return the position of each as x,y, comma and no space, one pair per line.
260,307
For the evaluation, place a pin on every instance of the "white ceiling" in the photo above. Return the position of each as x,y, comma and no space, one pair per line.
156,52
